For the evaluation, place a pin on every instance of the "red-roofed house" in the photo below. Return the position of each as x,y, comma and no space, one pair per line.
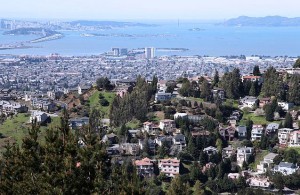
169,166
144,167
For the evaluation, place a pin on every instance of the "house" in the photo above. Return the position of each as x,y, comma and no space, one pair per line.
259,182
218,93
148,127
113,149
267,163
227,133
264,101
242,131
210,150
248,101
228,151
130,148
285,105
272,128
200,133
110,138
284,135
243,154
294,139
39,116
134,132
167,125
144,167
252,78
82,89
169,166
256,132
233,176
180,115
162,96
195,118
160,139
179,139
78,122
151,144
286,168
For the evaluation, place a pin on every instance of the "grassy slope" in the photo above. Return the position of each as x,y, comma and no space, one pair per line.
94,101
17,128
259,157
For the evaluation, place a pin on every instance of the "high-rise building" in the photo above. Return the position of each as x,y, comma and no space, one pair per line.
119,51
149,52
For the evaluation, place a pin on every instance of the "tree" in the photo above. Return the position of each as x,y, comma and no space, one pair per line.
269,113
216,78
104,102
272,83
297,63
198,188
252,91
163,150
291,156
256,71
232,84
294,89
176,187
103,83
205,90
288,121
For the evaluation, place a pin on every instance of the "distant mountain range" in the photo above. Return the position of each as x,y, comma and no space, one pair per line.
262,21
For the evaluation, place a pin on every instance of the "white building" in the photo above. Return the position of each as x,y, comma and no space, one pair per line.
170,167
149,52
286,168
266,163
210,150
294,139
167,125
39,116
180,115
285,105
243,154
259,182
284,135
257,132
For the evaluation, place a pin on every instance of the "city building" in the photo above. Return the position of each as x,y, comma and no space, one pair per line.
149,52
167,125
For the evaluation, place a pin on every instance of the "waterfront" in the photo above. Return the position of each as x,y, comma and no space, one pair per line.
211,40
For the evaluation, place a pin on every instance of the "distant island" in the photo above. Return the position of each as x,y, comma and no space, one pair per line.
31,31
271,21
107,24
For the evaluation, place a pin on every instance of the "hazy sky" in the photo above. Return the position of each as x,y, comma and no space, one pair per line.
146,9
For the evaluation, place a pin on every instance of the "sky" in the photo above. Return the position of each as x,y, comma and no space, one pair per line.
146,9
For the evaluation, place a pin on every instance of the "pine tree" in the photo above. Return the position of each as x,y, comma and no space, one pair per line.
294,90
297,63
256,71
252,91
216,78
288,121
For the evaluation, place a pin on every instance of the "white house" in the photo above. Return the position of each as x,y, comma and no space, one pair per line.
39,116
210,150
266,163
248,101
257,132
169,166
228,151
259,182
167,125
243,154
286,168
285,105
284,135
294,139
180,115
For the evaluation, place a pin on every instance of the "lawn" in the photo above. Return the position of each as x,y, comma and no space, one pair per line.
16,128
259,120
94,101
